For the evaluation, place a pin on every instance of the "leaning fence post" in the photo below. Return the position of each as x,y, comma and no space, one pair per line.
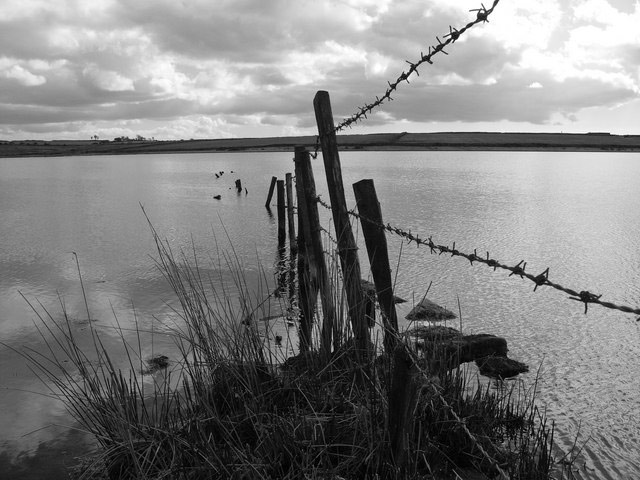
347,248
376,242
281,215
270,196
310,229
292,229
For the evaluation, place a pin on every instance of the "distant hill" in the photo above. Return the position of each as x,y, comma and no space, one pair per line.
596,141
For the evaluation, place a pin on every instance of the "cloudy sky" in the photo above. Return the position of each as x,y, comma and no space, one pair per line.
231,68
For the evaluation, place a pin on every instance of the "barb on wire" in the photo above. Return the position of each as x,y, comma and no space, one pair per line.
450,38
329,236
323,203
539,280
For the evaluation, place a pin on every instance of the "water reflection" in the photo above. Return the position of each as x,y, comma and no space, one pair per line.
52,458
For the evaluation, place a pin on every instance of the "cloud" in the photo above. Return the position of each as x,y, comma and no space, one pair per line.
513,98
23,76
107,79
253,66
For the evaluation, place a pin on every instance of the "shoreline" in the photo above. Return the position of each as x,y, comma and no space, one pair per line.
446,141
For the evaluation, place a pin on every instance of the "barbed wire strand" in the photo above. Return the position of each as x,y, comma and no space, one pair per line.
539,280
482,16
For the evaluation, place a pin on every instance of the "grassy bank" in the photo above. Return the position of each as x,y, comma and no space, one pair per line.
231,408
381,141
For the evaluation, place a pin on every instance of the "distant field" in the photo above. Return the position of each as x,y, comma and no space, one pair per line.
381,141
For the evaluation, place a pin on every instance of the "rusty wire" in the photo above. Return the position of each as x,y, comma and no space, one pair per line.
482,16
518,270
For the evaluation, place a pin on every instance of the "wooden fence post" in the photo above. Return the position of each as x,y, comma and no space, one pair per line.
271,187
307,284
292,229
347,248
309,227
376,242
401,396
281,215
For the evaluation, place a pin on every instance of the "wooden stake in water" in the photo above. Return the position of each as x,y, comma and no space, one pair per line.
282,235
290,217
271,188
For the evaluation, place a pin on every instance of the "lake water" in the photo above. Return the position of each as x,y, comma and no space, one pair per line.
576,213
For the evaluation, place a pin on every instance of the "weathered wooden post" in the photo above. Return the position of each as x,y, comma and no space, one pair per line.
347,248
270,196
282,235
376,242
307,276
239,185
310,229
401,396
403,386
290,217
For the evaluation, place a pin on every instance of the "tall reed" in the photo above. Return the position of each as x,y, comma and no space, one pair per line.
232,408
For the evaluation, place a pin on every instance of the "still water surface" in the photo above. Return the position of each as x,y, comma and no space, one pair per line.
576,213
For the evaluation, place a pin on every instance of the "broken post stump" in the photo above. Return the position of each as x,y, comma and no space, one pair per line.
271,188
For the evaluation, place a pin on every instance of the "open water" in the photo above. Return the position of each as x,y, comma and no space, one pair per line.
576,213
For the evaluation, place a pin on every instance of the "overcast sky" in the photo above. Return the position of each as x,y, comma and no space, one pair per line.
173,69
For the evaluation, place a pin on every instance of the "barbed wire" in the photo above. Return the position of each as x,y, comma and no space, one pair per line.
539,280
482,16
329,235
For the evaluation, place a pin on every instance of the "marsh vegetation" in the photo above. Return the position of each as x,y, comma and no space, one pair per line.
232,406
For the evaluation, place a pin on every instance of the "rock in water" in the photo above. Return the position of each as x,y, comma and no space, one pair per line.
427,310
159,362
432,333
500,367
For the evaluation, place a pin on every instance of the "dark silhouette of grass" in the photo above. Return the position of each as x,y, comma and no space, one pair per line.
230,408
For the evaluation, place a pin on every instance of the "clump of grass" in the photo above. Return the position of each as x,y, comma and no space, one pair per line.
231,409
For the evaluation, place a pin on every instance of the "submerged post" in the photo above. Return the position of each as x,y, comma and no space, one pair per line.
376,242
281,215
270,196
292,229
347,248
